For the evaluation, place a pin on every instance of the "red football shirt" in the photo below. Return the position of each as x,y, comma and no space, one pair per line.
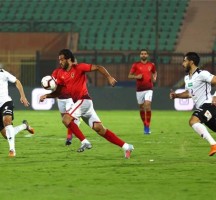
75,81
55,72
147,69
64,94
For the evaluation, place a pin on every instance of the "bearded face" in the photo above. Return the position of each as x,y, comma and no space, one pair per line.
63,62
187,68
186,64
143,55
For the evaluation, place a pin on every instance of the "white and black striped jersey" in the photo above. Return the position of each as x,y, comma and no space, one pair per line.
199,86
5,77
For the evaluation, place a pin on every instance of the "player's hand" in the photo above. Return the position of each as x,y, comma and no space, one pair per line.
42,98
139,76
24,101
172,94
214,100
112,81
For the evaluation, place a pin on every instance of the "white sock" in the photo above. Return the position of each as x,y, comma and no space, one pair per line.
85,141
10,137
19,128
203,132
125,146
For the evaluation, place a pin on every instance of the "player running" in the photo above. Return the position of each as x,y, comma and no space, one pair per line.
73,78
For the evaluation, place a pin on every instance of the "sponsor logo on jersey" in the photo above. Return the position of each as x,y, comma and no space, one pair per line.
190,84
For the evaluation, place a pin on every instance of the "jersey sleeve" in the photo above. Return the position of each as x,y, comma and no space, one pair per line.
84,67
133,69
55,73
11,78
153,70
206,76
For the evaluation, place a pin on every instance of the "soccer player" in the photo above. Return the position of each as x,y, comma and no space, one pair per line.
6,110
198,87
73,78
145,74
64,103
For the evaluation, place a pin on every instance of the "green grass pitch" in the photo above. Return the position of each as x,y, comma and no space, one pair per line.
171,163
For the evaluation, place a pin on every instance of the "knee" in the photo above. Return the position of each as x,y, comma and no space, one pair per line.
142,107
193,120
99,128
148,105
66,120
7,120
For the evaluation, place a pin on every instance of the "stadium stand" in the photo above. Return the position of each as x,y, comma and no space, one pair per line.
102,25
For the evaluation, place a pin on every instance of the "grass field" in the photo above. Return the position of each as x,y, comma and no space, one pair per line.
170,164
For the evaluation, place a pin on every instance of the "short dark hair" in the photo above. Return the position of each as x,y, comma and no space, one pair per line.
144,50
194,57
67,54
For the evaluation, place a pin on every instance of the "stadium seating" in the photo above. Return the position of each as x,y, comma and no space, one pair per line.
102,25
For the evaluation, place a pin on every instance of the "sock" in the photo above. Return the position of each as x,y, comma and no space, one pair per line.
203,132
111,137
69,134
10,137
76,131
19,128
85,141
142,115
125,146
148,118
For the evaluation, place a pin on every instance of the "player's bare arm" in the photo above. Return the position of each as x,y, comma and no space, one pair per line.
183,95
105,73
154,77
22,94
53,94
213,81
133,76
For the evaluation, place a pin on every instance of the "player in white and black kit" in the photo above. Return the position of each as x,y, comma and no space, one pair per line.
6,110
198,87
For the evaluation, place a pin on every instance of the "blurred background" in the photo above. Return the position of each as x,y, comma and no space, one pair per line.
110,33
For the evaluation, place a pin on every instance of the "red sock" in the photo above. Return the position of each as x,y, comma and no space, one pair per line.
148,118
111,137
142,115
69,134
76,131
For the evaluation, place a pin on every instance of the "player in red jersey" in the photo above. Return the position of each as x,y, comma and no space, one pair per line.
73,78
145,74
64,102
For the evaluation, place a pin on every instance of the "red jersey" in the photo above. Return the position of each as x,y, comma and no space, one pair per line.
74,81
55,72
64,94
147,69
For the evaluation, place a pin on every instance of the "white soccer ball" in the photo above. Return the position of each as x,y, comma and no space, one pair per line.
48,83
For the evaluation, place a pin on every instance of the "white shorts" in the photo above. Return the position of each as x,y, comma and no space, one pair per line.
84,109
64,104
144,96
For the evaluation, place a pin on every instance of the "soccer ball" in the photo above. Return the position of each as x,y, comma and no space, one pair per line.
48,83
